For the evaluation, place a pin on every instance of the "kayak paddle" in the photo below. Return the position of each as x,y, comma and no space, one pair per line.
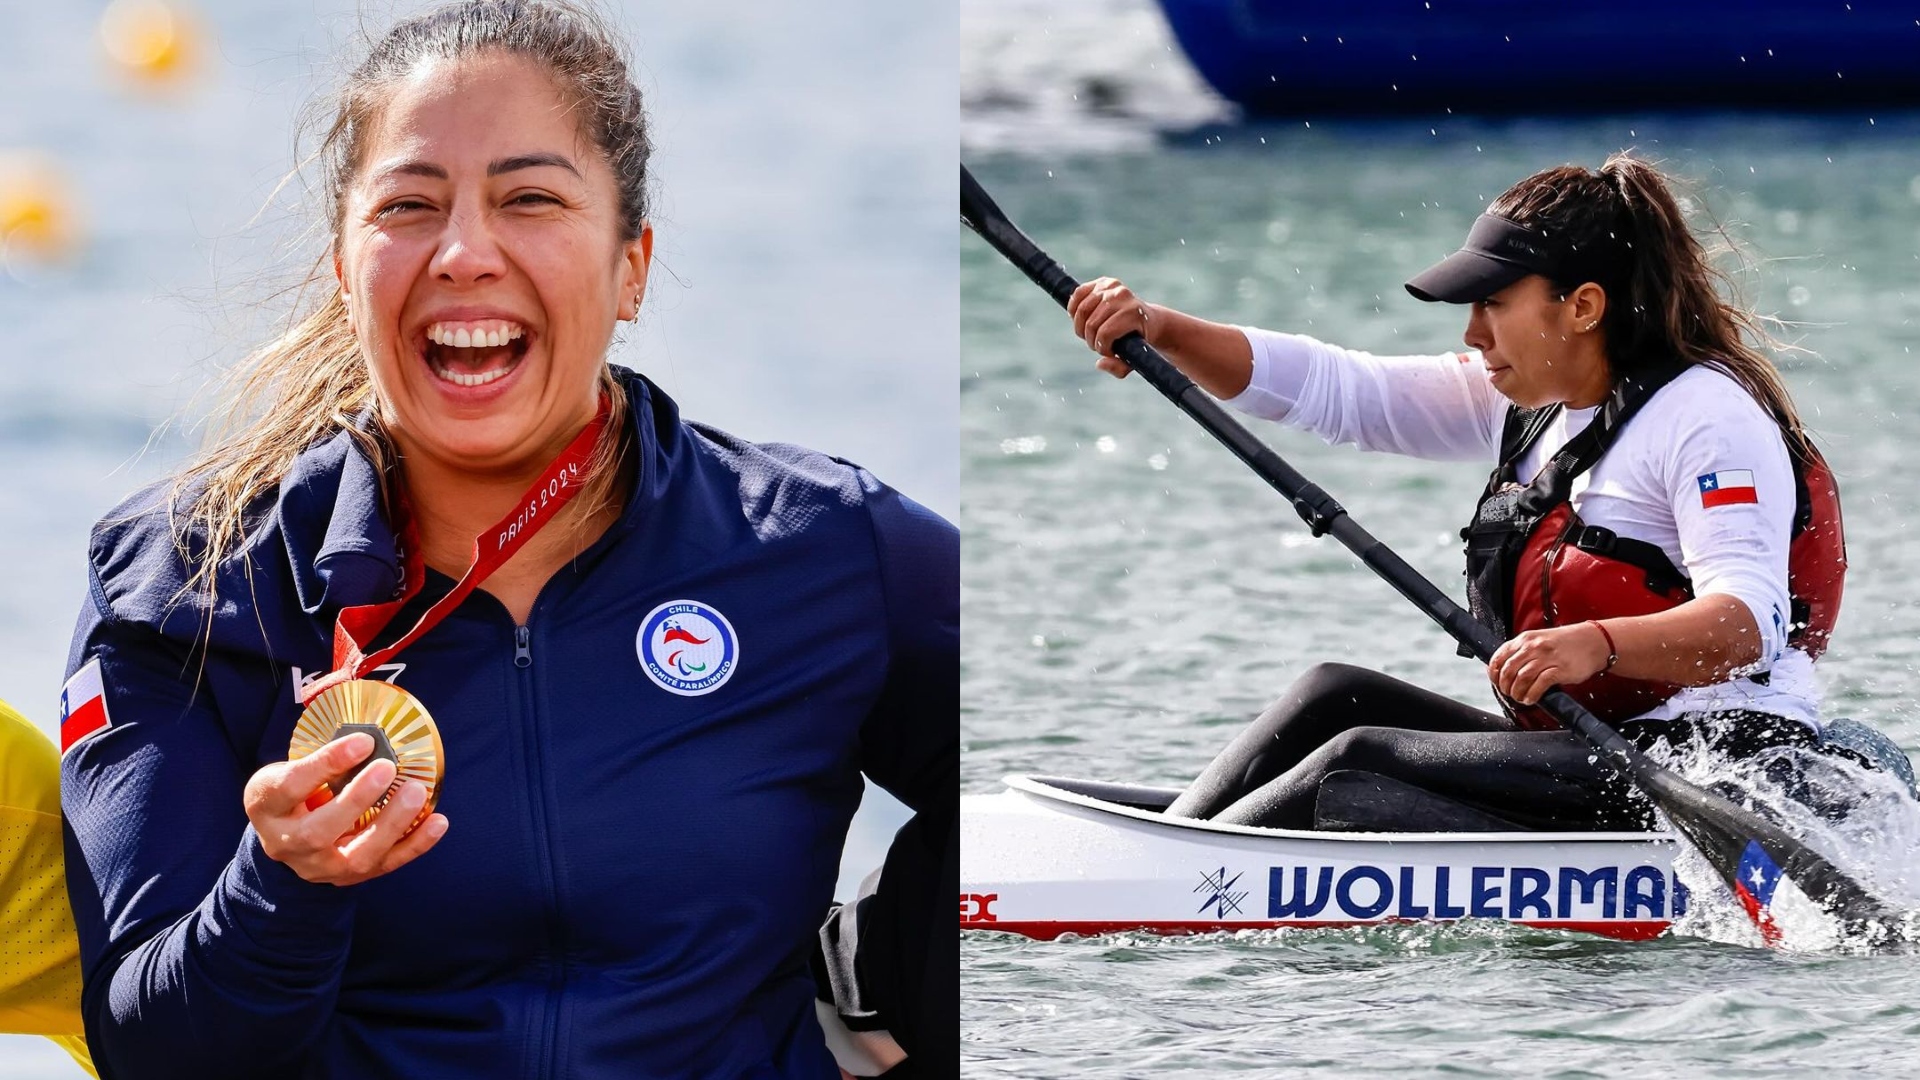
1751,853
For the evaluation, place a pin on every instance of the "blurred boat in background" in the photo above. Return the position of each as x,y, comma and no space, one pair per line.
1503,56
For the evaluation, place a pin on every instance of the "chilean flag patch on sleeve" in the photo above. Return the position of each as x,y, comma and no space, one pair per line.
83,705
1726,487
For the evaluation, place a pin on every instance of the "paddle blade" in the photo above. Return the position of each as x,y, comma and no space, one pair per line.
1761,862
1750,853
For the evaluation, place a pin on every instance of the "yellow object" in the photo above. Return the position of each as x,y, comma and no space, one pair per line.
149,38
35,218
39,954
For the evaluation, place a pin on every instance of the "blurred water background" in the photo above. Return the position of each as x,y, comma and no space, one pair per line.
1132,595
804,289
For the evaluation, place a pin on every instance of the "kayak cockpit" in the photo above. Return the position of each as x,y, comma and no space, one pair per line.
1350,801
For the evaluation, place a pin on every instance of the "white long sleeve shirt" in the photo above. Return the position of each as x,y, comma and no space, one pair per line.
1701,430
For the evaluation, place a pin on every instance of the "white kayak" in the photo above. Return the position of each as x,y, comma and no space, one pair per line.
1052,856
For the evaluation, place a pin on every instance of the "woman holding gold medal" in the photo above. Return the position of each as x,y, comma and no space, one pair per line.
469,712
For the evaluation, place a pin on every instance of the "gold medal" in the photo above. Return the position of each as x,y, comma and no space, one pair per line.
402,731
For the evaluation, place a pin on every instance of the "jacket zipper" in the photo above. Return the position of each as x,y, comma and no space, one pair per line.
536,799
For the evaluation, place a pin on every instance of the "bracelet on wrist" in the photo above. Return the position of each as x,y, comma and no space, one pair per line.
1613,653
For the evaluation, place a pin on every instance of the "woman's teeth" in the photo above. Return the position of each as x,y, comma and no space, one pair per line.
485,335
473,336
476,379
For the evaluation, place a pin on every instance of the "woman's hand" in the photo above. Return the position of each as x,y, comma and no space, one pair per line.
1532,663
321,845
1215,355
1104,310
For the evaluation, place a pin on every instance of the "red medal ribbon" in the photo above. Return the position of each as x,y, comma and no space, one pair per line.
355,626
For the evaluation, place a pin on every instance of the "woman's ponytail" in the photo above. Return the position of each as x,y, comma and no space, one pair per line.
1669,301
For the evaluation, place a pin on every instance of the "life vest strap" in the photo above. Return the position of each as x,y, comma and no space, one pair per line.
1662,575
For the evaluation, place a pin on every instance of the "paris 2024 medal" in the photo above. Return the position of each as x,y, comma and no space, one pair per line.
403,733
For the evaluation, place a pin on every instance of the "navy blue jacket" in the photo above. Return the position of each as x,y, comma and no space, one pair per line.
632,879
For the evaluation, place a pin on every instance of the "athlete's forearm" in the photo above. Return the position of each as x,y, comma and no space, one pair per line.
1215,355
240,987
1700,643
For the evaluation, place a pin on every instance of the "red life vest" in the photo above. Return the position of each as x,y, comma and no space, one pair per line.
1532,563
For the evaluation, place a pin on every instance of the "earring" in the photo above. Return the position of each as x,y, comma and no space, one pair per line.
1589,327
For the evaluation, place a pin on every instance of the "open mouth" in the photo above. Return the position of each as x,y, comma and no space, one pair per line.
475,354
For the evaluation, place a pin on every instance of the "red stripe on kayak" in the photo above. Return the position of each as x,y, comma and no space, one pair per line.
1620,929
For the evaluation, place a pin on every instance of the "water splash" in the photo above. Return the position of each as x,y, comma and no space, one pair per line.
1863,820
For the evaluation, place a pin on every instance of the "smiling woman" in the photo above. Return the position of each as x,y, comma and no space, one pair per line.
463,710
486,249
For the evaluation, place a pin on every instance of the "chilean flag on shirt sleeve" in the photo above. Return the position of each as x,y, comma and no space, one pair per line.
1726,487
83,705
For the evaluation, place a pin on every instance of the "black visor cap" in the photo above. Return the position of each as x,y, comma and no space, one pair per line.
1497,254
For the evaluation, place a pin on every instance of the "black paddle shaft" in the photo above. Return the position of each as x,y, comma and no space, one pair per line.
1717,826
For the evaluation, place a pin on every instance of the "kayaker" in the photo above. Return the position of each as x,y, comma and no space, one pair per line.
1660,535
656,712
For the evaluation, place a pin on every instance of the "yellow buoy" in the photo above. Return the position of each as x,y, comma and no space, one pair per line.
36,220
148,38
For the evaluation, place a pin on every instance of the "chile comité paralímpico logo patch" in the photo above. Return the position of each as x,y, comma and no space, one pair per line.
688,648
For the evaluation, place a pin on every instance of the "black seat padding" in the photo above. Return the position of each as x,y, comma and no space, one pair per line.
1354,801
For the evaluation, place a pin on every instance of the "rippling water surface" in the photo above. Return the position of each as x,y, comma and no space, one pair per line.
1133,595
